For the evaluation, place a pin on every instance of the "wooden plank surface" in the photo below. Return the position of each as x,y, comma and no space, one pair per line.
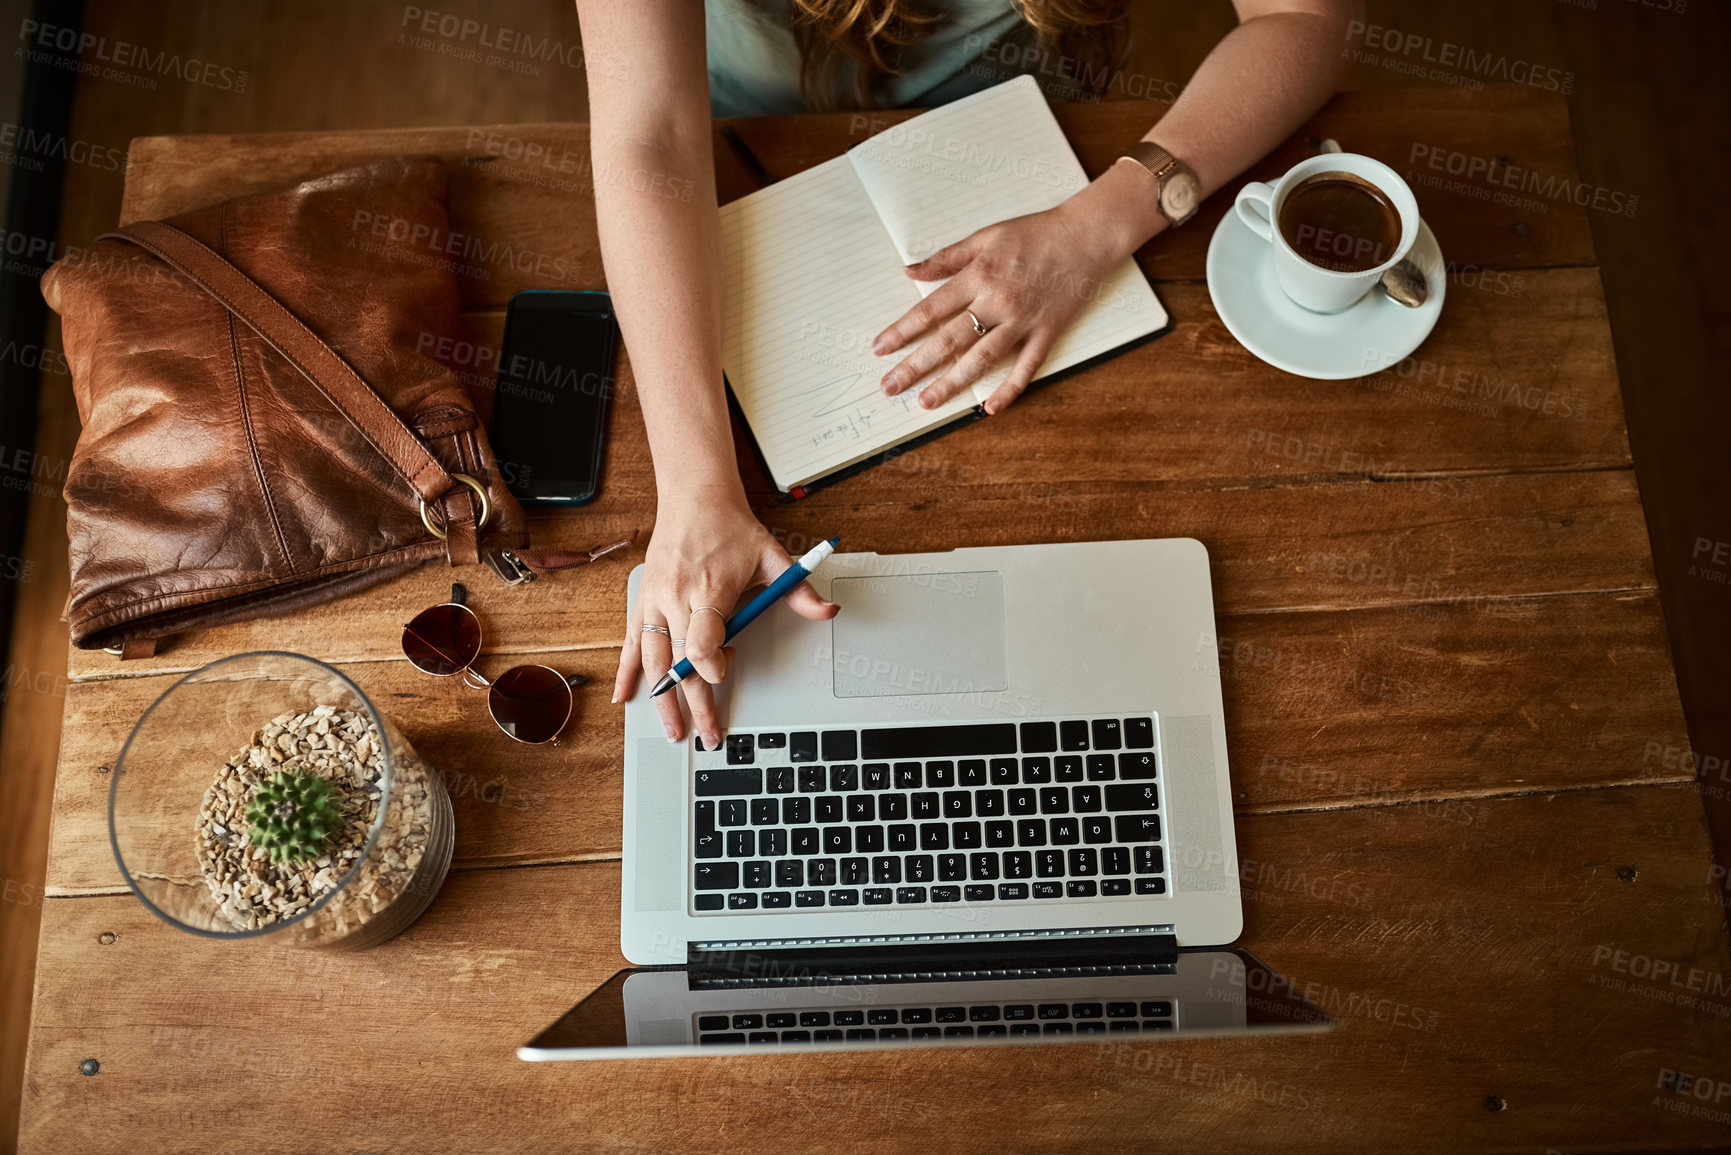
1358,707
1464,953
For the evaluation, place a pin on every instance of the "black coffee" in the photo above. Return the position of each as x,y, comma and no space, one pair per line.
1340,221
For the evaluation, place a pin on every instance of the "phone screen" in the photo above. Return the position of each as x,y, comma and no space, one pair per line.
555,379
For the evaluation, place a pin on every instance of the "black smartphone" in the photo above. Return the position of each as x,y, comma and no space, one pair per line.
554,383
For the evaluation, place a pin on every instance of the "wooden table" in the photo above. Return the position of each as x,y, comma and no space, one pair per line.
1451,710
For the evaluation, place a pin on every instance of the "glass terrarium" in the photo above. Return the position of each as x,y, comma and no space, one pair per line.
264,794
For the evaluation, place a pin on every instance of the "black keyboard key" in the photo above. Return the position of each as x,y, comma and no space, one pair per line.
1107,734
981,866
772,741
829,808
1031,832
847,897
720,1040
1122,1028
776,899
855,871
971,772
889,1034
988,803
904,836
843,745
946,894
952,867
707,841
1003,772
710,901
1150,886
1132,796
1024,802
779,779
721,783
1085,1010
811,779
958,1032
1049,864
879,1018
1120,1010
908,776
1097,829
1039,737
1010,891
732,812
991,1031
1115,860
1024,1029
1000,833
1084,862
881,895
927,804
1069,769
939,741
805,840
1138,733
914,1015
1065,831
877,775
984,1014
1054,1010
765,811
920,867
795,811
952,1014
820,872
868,839
795,1037
1091,1027
965,835
1100,768
1019,864
1082,888
1136,765
1036,770
1137,827
830,1036
940,773
978,892
910,894
808,898
849,1018
893,807
844,779
802,746
741,750
712,1023
934,836
814,1018
790,873
1059,1029
1113,887
1073,735
744,901
1160,1009
1019,1012
838,840
1150,860
757,875
958,804
717,875
1054,800
772,843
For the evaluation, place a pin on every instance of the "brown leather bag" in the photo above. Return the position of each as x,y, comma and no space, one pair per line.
264,424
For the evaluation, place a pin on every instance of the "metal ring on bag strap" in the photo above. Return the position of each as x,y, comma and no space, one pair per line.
438,531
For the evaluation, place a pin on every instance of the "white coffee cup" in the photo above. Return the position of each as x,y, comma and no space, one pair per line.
1311,286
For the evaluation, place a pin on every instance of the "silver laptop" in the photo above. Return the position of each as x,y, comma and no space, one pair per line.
987,750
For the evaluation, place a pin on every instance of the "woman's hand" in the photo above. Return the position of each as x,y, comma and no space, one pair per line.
1024,278
704,554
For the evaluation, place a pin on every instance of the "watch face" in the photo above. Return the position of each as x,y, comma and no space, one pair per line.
1178,196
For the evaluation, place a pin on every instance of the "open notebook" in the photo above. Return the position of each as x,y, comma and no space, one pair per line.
814,270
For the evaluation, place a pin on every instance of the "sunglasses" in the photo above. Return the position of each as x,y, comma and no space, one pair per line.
530,703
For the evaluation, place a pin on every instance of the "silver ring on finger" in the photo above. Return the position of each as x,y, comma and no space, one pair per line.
649,629
678,641
711,609
980,327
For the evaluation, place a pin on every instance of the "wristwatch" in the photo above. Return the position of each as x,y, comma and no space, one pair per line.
1179,191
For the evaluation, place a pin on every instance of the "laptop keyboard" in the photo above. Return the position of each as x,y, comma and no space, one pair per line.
891,1024
921,816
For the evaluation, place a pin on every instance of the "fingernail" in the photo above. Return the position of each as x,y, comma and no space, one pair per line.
879,346
712,741
673,735
892,386
927,401
615,697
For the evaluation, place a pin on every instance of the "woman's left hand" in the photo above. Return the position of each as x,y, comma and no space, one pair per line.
1024,278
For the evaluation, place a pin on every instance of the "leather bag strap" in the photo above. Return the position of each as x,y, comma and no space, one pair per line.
301,347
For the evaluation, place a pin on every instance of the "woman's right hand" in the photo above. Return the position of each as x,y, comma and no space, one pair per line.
705,553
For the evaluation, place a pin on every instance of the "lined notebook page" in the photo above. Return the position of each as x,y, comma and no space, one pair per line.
810,278
983,159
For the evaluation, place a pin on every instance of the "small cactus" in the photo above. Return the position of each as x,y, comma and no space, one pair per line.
292,813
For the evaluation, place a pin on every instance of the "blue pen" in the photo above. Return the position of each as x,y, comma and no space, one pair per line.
796,573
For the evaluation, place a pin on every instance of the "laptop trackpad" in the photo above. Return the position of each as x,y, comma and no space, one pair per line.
923,633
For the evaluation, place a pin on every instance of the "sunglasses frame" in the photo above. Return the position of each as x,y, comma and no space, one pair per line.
467,672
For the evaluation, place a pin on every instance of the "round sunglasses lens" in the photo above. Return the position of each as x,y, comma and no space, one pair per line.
442,640
530,703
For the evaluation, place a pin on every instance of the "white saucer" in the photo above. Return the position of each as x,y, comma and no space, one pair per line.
1367,338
